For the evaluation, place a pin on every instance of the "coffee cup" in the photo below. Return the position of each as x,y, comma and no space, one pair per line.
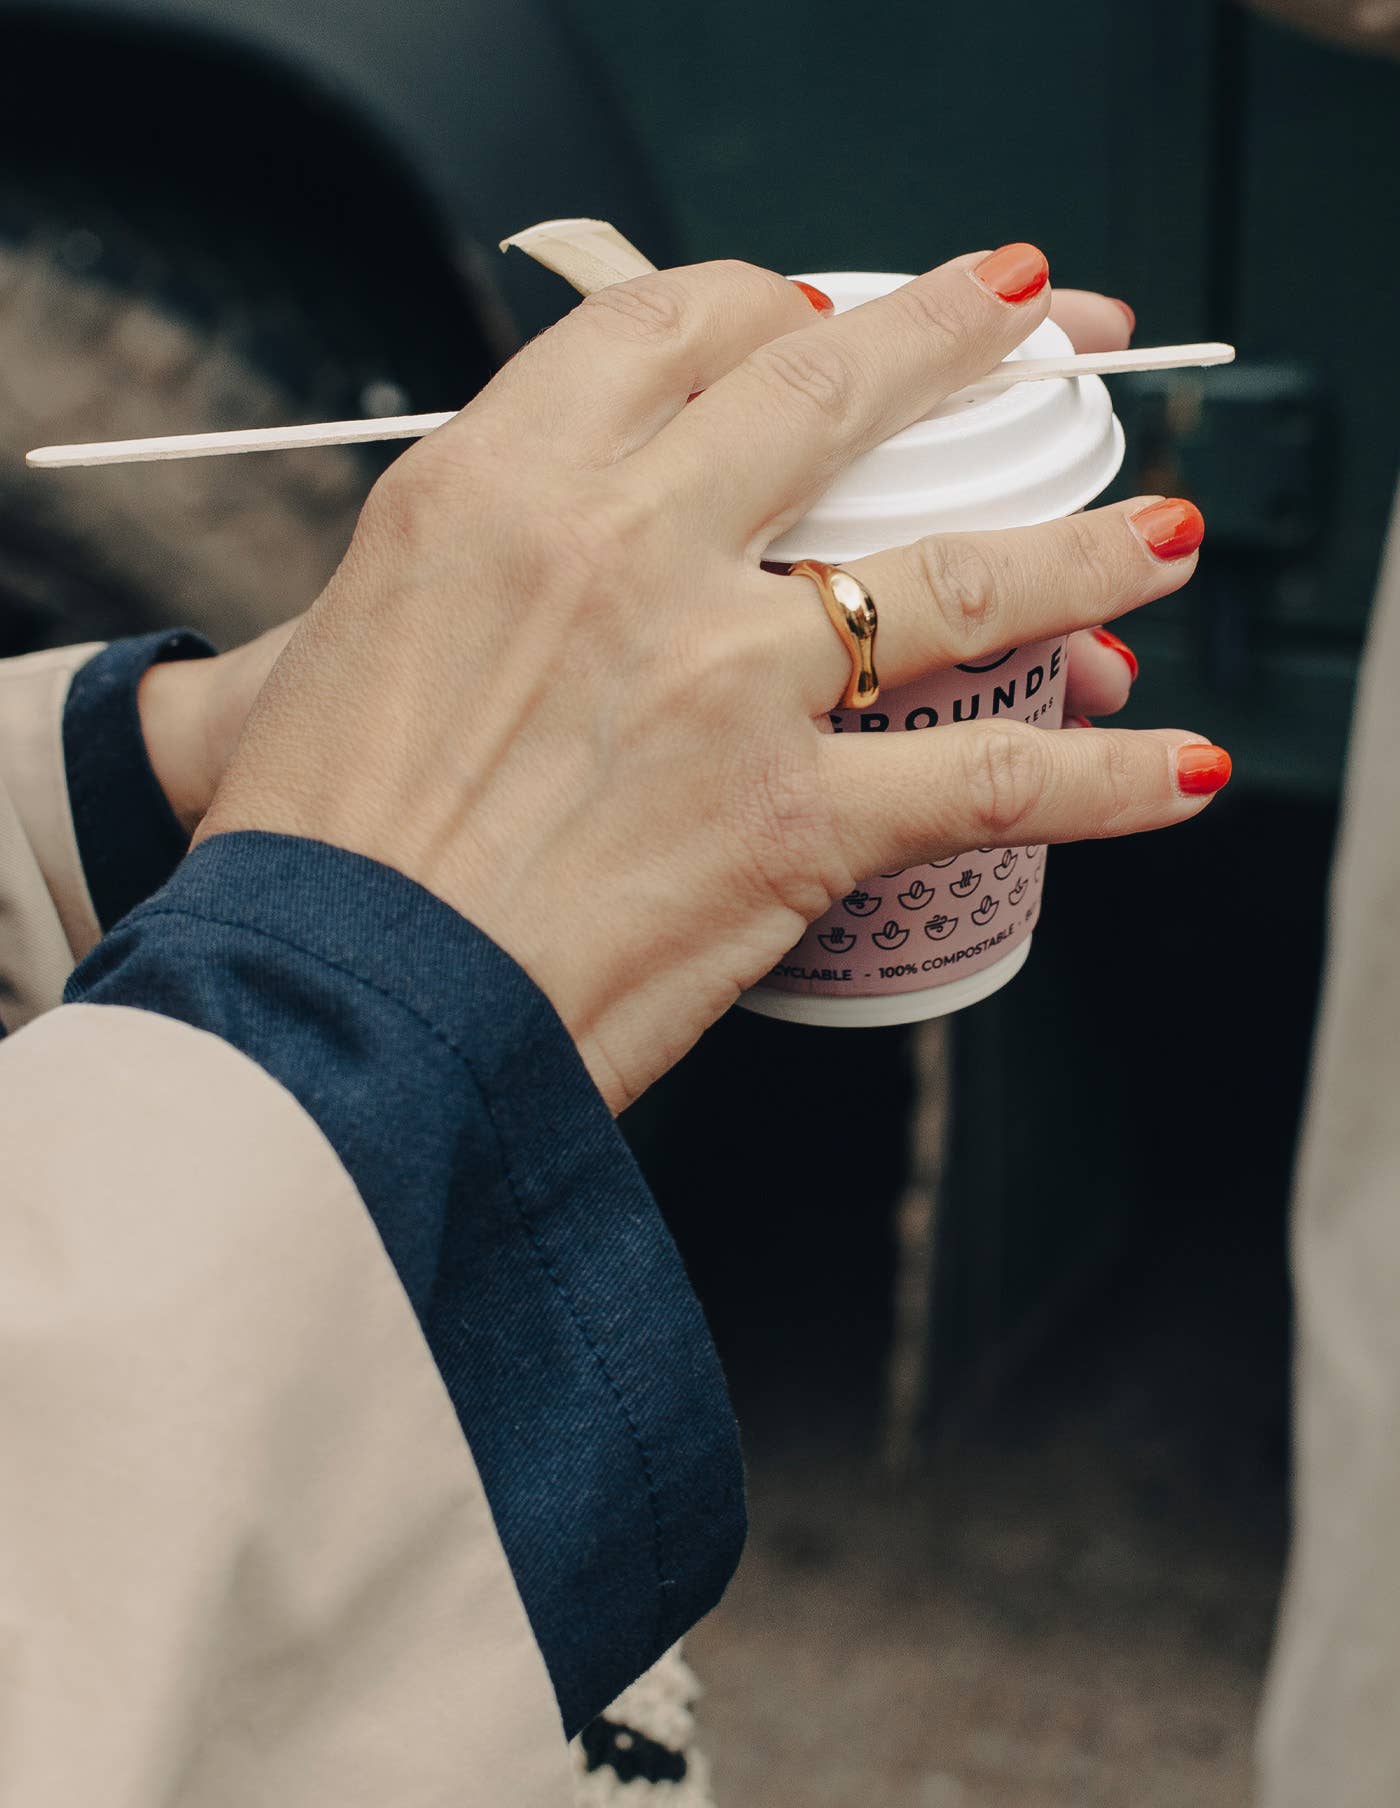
928,940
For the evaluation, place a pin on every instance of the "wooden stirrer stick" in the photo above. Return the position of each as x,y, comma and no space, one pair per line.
590,254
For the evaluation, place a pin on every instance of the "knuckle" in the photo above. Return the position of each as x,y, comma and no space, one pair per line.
731,663
404,503
783,824
1005,772
749,279
772,299
646,310
811,373
1120,781
1100,568
593,534
931,310
388,510
962,582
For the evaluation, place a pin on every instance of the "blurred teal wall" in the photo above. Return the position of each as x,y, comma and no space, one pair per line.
1227,177
882,135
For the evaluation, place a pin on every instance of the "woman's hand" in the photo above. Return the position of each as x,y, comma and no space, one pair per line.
193,710
552,684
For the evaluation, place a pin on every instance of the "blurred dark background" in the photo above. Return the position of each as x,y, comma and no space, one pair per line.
1017,1423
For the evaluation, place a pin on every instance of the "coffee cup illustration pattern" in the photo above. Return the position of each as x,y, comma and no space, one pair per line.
955,941
1016,878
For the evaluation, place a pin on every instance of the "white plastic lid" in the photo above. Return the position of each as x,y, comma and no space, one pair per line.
984,458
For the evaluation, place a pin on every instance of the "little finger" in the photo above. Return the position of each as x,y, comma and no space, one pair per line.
908,798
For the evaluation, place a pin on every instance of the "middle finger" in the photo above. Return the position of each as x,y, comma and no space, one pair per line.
764,441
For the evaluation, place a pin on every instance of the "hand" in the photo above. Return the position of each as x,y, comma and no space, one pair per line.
193,710
192,713
551,682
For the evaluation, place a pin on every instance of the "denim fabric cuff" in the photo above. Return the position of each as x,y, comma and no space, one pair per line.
129,839
548,1289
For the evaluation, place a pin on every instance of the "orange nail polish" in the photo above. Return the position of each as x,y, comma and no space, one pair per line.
1120,647
1015,273
821,302
1202,771
1078,722
1172,529
1128,313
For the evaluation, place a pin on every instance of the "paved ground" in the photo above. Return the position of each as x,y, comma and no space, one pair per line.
1069,1609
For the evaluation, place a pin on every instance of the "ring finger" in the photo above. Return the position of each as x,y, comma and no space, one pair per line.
959,598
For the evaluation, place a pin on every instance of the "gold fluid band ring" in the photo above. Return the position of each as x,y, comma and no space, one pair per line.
851,610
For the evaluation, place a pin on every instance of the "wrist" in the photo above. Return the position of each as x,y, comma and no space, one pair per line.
177,700
192,714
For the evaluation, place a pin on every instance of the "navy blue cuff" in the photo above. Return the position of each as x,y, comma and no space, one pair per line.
547,1286
129,839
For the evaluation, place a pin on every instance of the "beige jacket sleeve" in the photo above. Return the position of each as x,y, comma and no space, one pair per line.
1362,24
245,1554
47,921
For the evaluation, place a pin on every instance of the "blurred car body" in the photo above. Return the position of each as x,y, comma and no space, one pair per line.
215,212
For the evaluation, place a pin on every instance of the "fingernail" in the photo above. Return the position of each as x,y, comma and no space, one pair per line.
1172,529
1078,722
1121,647
1015,273
1128,313
822,303
1202,771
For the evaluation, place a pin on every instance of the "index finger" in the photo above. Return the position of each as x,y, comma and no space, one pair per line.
608,376
756,449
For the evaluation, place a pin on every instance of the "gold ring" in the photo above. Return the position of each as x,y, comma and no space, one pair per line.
851,610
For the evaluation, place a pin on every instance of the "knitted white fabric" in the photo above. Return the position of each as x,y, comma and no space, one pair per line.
640,1753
